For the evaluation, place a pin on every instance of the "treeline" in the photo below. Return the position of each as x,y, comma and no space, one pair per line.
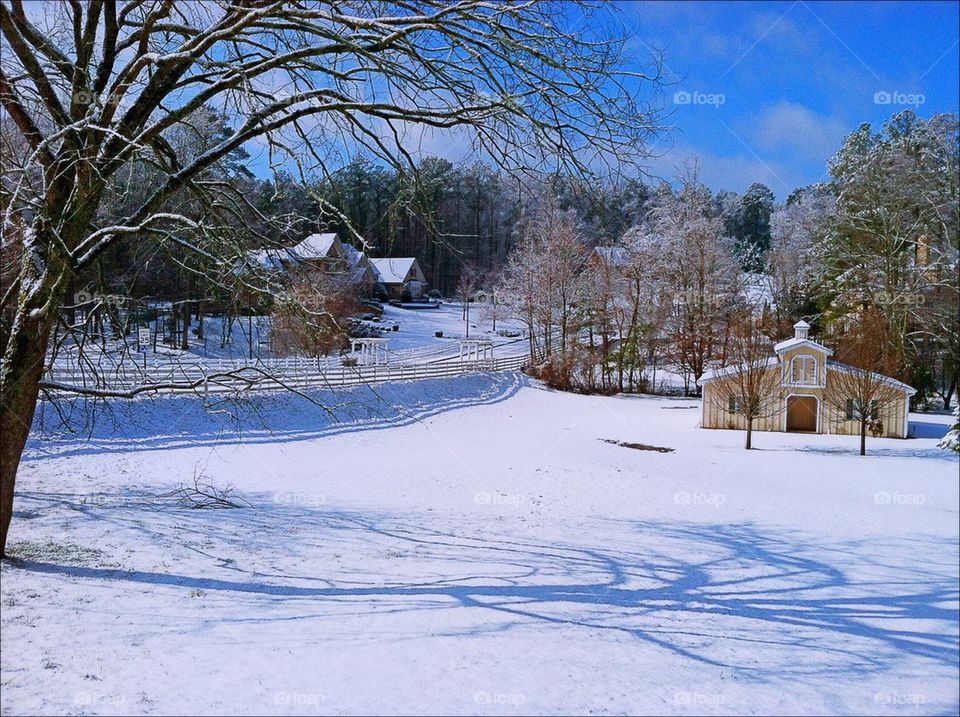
457,218
452,217
870,258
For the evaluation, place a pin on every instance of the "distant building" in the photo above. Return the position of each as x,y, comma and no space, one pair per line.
398,275
324,252
361,270
806,376
327,253
608,257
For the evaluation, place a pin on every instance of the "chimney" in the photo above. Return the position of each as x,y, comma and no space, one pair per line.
801,329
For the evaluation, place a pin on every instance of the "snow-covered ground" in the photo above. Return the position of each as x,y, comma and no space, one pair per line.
418,326
476,546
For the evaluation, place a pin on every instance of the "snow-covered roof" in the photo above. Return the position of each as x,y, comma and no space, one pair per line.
910,390
265,258
358,273
355,257
716,373
794,342
393,270
315,246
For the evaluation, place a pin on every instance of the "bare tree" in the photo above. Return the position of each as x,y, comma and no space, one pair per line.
647,286
102,87
859,387
310,317
467,287
522,288
700,265
750,383
603,315
541,279
564,254
791,264
493,309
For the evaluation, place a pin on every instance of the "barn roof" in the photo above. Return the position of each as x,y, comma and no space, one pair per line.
718,373
846,368
713,374
808,343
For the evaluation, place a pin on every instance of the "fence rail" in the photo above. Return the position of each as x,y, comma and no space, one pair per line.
230,375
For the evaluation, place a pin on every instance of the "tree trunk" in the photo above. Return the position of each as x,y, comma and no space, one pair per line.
20,374
749,433
863,438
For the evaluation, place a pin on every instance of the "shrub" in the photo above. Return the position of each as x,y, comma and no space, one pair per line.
576,370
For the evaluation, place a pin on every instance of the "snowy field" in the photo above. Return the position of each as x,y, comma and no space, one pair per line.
476,546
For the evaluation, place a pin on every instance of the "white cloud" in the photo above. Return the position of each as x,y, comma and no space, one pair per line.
735,172
798,131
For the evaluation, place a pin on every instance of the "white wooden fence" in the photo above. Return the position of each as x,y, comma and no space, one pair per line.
231,375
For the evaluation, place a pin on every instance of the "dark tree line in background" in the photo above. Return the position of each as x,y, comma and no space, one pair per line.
457,216
452,217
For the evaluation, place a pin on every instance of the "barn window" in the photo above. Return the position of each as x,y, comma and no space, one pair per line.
803,369
733,405
853,410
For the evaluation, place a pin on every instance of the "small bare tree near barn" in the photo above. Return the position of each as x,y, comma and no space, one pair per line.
859,390
751,387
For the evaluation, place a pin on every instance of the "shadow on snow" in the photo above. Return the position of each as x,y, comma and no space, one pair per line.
765,603
81,427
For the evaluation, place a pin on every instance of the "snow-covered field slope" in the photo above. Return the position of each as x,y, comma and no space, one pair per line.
485,551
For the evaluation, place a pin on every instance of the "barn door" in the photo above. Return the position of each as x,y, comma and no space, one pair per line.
802,413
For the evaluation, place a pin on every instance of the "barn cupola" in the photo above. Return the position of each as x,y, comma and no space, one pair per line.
801,330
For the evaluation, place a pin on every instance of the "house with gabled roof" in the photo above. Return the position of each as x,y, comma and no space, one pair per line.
806,375
398,275
326,252
609,257
322,251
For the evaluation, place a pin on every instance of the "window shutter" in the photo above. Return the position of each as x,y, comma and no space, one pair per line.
849,409
732,404
874,410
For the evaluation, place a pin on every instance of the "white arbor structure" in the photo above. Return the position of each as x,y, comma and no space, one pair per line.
478,352
370,351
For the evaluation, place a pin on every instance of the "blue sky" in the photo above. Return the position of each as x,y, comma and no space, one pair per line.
768,90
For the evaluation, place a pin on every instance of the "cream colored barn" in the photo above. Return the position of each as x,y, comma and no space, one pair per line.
805,378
